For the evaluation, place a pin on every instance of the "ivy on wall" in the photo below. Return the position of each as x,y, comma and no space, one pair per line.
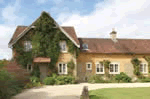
136,64
106,64
147,58
71,67
45,38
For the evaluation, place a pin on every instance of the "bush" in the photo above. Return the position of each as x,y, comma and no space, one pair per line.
97,79
146,79
123,77
9,86
34,79
49,81
65,80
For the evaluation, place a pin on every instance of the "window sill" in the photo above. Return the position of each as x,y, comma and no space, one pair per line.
100,73
64,51
88,69
114,72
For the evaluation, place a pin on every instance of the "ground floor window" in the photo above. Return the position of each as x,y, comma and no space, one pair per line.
114,68
99,68
29,68
62,68
88,66
143,68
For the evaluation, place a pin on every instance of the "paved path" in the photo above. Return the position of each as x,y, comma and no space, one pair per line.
69,91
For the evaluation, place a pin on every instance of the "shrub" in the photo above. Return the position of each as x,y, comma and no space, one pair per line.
9,86
123,77
65,79
97,79
146,79
34,79
49,81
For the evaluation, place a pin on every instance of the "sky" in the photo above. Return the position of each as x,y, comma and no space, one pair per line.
90,18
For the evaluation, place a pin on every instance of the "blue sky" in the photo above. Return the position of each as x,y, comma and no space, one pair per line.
91,18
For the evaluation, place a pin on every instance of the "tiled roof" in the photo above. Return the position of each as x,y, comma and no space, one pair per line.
69,30
101,45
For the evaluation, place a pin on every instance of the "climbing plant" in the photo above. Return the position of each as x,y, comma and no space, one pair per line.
147,58
71,66
136,64
45,38
106,66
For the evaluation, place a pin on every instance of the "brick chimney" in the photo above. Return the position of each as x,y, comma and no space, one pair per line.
113,35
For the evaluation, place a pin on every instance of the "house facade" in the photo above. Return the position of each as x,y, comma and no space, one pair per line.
92,51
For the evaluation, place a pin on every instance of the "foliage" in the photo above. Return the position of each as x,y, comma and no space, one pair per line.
136,63
59,80
148,60
106,66
122,77
3,63
9,86
97,79
49,81
34,82
146,79
36,71
71,67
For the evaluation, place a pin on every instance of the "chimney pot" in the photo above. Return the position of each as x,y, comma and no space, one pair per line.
113,35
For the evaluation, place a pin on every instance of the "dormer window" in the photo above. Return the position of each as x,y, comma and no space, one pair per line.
63,46
27,46
85,46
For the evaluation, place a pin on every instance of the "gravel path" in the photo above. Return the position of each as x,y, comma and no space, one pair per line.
70,91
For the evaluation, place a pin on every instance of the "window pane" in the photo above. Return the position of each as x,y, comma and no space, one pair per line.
97,67
116,67
64,68
89,65
111,68
60,68
144,67
101,68
141,68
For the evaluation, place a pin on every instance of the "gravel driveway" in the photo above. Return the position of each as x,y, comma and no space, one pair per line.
69,91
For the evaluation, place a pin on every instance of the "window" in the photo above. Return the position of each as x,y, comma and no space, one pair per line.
29,68
89,66
63,46
27,45
99,68
143,68
114,68
62,68
85,46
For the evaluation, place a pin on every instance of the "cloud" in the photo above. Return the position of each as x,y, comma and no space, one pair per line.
11,19
129,17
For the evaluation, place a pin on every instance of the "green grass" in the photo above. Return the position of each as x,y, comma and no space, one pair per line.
121,93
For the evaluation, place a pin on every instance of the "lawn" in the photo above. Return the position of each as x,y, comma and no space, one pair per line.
121,93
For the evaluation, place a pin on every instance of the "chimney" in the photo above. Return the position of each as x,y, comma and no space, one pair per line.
113,35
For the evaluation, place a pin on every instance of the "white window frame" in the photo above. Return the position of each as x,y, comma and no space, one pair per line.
61,43
28,68
114,68
86,45
26,46
62,68
143,68
90,66
99,68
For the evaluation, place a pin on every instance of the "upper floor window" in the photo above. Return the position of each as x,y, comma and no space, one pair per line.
29,68
99,68
114,68
89,66
143,68
27,45
85,46
62,68
63,46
